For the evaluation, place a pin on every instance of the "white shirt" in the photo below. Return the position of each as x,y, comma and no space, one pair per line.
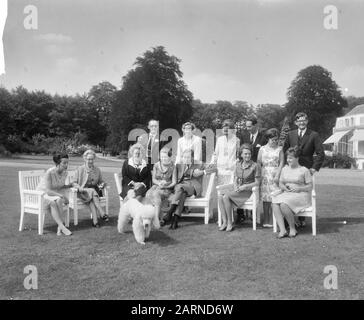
254,136
225,153
195,143
301,133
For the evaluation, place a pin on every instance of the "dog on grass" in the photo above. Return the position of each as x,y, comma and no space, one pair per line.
144,215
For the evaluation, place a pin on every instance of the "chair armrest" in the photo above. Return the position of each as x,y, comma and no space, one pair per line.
313,194
33,192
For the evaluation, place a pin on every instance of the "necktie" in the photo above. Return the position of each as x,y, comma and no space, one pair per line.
149,148
301,134
251,139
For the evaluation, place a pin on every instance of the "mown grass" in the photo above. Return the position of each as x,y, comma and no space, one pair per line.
195,261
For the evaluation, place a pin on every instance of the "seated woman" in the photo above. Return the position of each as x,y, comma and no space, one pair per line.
295,183
89,184
135,170
246,176
53,184
163,179
188,177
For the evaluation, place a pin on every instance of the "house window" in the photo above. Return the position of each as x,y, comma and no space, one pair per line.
352,121
347,124
340,123
361,120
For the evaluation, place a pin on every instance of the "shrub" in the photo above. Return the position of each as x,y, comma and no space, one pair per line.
339,161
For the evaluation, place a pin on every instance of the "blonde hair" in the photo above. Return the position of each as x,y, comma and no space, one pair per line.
87,152
136,146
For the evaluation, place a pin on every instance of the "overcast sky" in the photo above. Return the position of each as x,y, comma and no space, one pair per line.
230,50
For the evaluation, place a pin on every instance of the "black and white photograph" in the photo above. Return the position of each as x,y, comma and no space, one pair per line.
181,155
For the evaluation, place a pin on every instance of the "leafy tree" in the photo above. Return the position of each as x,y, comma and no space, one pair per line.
270,115
153,89
6,121
353,102
313,91
102,97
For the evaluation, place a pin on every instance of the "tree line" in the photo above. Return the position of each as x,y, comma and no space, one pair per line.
35,121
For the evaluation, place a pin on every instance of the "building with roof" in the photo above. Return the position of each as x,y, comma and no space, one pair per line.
348,135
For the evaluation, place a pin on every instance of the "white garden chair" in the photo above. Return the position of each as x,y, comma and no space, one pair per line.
204,202
308,212
32,200
251,204
76,204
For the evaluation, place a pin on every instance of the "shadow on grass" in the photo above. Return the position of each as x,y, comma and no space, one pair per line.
333,225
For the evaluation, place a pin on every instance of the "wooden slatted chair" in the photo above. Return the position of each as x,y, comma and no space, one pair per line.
76,204
32,200
204,202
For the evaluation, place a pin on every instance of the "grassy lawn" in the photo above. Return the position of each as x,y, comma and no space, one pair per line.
195,261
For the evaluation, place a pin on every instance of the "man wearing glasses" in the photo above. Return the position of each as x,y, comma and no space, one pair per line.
309,143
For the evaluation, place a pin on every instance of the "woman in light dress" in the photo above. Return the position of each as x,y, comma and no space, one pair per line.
89,184
56,191
225,153
271,160
295,183
189,141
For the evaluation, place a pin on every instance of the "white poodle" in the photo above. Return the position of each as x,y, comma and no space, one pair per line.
143,215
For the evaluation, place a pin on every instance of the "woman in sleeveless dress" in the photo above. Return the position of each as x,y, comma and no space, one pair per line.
56,191
271,160
295,183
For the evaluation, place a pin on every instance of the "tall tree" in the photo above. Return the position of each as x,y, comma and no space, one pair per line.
153,89
315,92
270,115
102,97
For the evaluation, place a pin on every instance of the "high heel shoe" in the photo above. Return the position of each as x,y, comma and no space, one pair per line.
223,227
65,231
229,228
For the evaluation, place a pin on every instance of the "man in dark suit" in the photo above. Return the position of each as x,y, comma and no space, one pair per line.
150,142
309,142
254,136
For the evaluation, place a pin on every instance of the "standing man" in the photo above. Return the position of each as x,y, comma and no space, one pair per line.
150,142
254,136
309,143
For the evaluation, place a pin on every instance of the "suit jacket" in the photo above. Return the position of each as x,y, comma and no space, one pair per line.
260,140
155,147
195,182
130,173
309,144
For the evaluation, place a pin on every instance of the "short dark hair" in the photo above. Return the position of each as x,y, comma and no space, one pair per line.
300,115
272,133
294,152
57,158
253,120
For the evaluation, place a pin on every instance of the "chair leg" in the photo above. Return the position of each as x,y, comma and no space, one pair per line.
254,214
21,224
40,223
75,216
314,224
67,222
207,215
